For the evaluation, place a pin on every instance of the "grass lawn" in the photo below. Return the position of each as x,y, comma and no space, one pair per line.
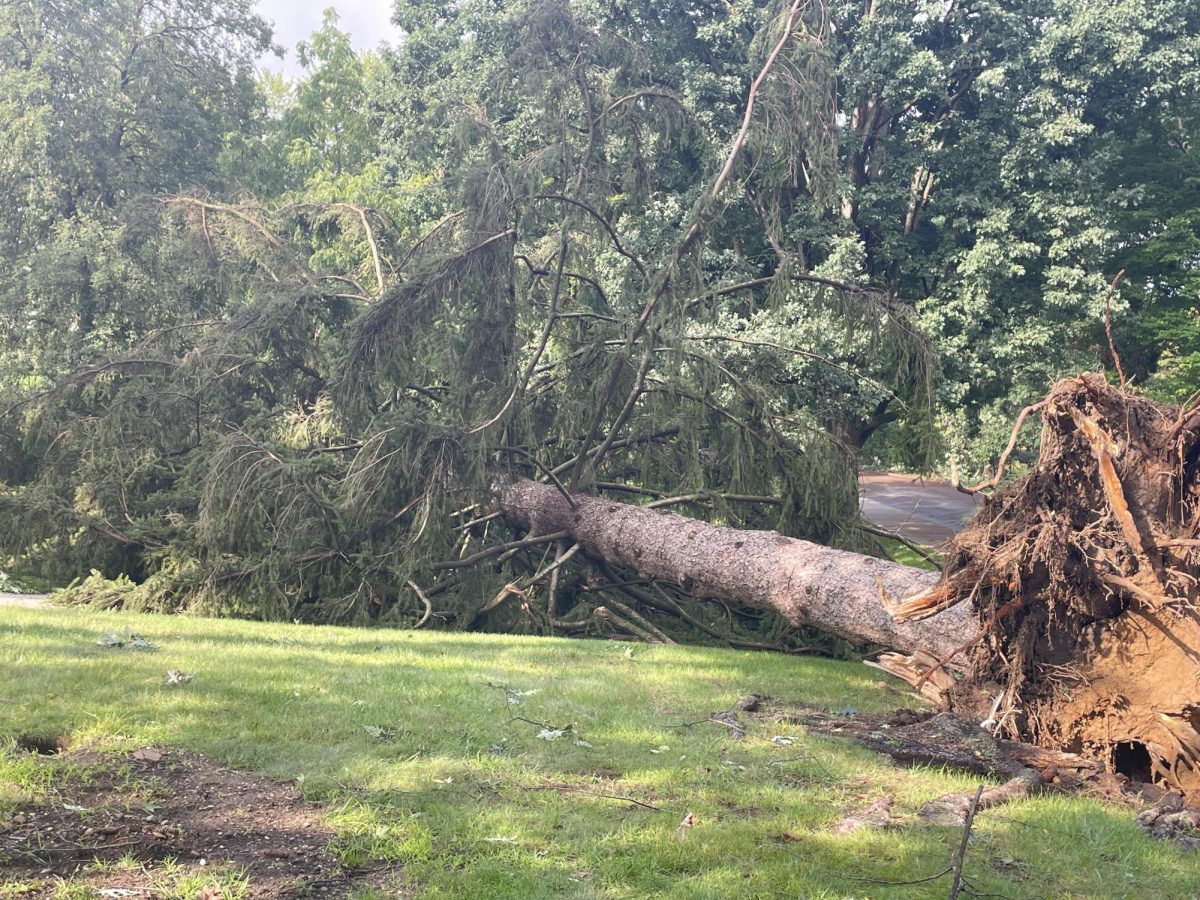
411,743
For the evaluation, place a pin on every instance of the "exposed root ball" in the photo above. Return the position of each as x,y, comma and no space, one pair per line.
1085,575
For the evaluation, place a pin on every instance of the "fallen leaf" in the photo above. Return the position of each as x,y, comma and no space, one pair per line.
128,639
384,733
515,697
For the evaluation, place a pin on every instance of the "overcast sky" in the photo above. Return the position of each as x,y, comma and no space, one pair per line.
368,21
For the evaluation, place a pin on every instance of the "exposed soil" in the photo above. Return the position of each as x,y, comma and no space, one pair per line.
180,816
943,739
1086,574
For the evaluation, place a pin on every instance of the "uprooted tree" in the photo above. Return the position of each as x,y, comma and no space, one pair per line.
604,272
1066,615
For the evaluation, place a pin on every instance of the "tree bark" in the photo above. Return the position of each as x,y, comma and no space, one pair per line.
1070,605
839,592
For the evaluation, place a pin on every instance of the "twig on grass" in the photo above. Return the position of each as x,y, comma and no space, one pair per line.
957,865
958,883
807,757
424,599
564,787
542,725
945,871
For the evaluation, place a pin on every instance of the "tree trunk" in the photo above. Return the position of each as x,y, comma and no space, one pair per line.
1070,606
836,591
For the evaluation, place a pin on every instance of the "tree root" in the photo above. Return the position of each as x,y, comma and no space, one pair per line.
958,809
1091,629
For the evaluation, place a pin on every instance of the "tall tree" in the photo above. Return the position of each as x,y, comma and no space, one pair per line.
676,252
102,105
1154,179
981,145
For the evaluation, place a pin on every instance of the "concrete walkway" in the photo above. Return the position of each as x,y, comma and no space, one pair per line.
30,600
924,511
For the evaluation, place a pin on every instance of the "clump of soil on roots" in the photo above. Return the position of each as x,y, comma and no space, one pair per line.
150,821
1085,575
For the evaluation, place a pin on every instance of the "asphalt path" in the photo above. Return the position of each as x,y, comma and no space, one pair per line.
924,511
31,600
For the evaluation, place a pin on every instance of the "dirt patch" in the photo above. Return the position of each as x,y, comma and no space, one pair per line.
912,737
159,823
926,738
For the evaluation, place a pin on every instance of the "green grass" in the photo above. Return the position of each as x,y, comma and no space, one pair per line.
409,740
902,553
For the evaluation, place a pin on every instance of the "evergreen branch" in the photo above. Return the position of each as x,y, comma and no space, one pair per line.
617,245
83,375
497,550
807,354
699,226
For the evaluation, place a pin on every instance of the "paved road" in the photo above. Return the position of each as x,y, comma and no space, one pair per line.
926,512
31,600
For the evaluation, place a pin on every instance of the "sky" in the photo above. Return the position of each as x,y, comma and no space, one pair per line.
367,21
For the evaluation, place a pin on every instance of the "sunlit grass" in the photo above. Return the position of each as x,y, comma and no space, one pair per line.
903,553
412,742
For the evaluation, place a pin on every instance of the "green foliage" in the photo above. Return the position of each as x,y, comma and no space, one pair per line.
14,585
1156,178
101,106
985,146
384,351
271,351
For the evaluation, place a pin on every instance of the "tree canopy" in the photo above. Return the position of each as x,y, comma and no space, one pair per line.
271,347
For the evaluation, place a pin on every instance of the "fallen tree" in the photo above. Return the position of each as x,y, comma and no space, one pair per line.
809,584
316,434
1066,615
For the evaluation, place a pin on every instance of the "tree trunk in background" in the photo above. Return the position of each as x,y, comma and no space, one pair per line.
833,590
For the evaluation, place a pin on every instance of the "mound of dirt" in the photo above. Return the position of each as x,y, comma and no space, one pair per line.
142,825
1086,574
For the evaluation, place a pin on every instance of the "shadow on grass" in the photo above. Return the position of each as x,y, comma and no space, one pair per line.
417,745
